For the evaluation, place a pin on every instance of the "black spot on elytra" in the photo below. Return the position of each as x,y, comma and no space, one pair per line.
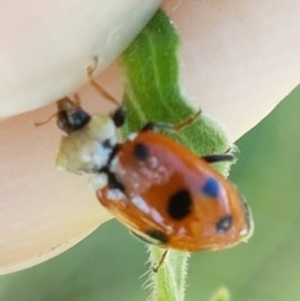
180,204
141,151
224,223
211,187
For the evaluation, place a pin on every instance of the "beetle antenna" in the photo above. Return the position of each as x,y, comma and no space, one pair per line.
46,121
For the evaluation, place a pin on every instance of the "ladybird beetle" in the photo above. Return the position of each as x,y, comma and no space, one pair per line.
165,194
168,196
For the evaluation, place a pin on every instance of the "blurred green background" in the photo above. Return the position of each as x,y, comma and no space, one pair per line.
108,265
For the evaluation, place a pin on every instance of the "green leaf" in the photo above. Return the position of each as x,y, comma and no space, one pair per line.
152,93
